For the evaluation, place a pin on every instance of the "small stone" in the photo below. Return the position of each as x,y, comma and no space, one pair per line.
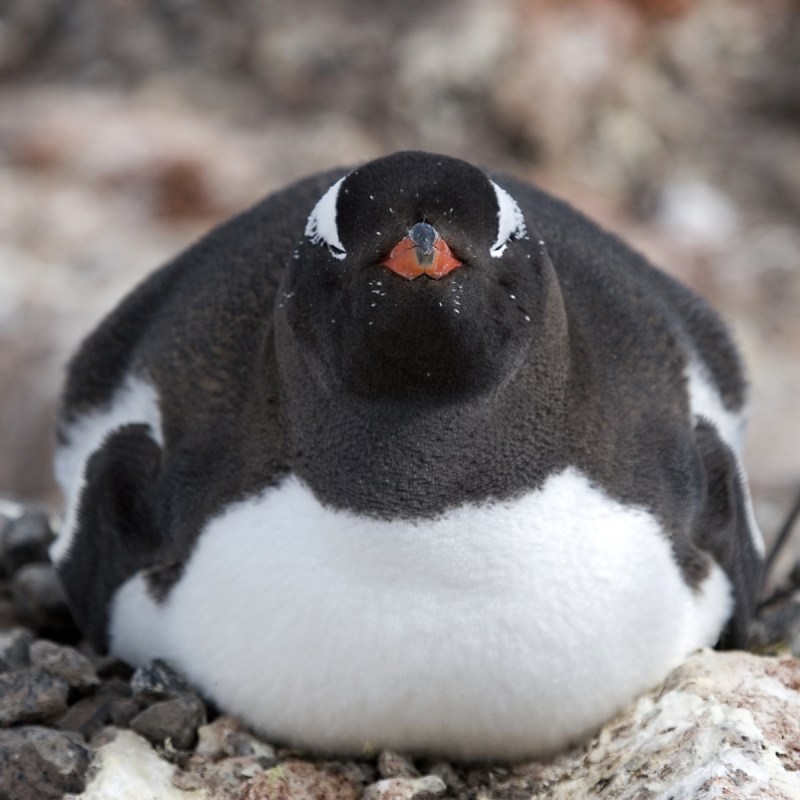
176,719
123,711
26,540
448,773
393,765
109,705
225,737
41,603
87,717
157,681
64,662
405,788
14,649
40,764
8,614
91,714
31,695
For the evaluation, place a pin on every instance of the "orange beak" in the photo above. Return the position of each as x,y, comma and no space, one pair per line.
422,252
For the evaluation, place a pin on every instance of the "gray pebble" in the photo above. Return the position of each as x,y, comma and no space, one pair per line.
31,695
393,765
176,719
8,614
40,602
226,737
64,662
14,648
91,714
40,764
404,788
450,776
157,681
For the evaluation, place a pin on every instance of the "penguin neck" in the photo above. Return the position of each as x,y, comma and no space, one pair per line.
419,458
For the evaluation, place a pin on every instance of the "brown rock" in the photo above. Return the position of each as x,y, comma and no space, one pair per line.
65,663
31,695
175,720
40,764
109,705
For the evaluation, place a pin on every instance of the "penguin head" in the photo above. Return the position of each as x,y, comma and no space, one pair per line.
415,278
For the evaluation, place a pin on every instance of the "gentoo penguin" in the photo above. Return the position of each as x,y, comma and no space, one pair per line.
410,455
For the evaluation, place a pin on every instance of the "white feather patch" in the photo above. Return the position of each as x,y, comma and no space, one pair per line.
497,631
510,221
135,401
321,224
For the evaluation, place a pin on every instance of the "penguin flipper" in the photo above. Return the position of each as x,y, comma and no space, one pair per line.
117,532
724,529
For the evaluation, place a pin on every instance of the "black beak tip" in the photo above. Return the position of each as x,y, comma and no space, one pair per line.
423,235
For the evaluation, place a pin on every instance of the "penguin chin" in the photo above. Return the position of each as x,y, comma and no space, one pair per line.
438,357
428,344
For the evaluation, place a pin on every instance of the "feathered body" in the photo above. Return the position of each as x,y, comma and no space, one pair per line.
472,513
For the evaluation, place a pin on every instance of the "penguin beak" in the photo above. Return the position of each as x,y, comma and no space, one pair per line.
422,252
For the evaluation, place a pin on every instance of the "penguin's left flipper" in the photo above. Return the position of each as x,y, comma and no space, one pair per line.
117,530
724,529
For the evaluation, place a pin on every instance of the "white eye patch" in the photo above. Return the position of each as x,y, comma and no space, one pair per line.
510,221
321,225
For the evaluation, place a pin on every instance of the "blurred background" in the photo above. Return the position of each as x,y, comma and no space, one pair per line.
130,127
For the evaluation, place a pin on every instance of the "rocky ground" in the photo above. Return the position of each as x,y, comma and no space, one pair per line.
76,723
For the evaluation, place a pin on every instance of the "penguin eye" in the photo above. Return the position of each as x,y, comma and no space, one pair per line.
321,225
510,221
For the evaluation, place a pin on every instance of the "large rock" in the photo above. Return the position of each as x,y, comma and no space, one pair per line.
722,725
127,768
64,662
40,764
31,695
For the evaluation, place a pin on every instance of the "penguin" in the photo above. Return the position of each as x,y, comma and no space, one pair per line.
410,455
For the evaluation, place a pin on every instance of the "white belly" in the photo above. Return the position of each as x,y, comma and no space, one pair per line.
503,631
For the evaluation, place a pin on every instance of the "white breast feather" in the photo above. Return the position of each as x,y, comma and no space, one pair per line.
495,631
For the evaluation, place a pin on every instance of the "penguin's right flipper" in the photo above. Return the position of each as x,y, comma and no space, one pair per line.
725,530
117,532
